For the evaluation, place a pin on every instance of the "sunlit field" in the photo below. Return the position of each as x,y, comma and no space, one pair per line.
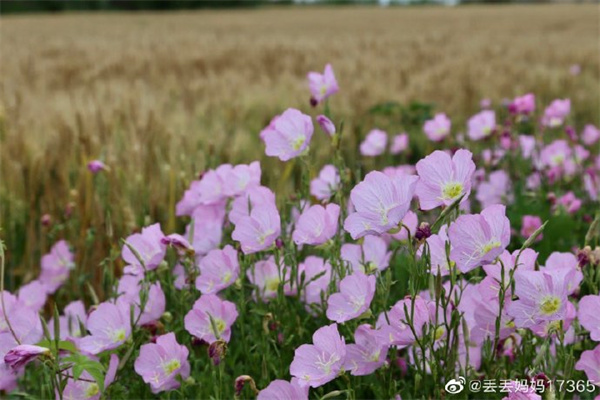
291,202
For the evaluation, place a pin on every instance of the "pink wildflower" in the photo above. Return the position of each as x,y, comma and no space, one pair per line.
374,144
322,85
210,318
380,202
482,125
353,299
316,364
479,238
288,135
317,224
444,179
437,128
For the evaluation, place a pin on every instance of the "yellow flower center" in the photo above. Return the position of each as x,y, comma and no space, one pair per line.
550,305
298,142
171,366
92,390
452,190
490,246
220,325
272,284
118,335
227,277
439,332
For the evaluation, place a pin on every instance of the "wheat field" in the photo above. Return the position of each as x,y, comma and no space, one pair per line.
161,97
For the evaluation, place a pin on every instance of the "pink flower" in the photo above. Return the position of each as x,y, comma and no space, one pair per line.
437,251
496,190
109,327
394,324
317,225
210,318
380,202
211,188
523,105
409,221
529,224
74,318
283,390
591,182
482,125
368,353
316,364
400,170
33,295
326,125
23,354
371,255
322,85
237,179
589,362
374,144
569,202
288,135
149,247
353,299
590,135
575,69
563,264
96,166
207,228
266,277
315,286
130,296
254,197
542,297
527,260
437,128
444,179
479,238
527,144
56,266
218,270
258,231
326,184
399,143
485,103
177,242
558,157
556,112
160,363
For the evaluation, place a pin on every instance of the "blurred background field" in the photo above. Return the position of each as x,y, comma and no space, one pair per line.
161,97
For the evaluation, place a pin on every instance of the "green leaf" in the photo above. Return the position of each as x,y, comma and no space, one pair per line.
62,345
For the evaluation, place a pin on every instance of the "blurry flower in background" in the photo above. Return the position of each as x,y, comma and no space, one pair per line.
322,85
374,144
96,166
399,143
326,125
437,128
575,69
482,125
523,105
529,224
556,112
485,103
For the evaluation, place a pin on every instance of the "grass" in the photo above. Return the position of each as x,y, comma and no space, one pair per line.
161,97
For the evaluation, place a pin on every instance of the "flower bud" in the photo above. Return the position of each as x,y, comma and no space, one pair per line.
326,125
